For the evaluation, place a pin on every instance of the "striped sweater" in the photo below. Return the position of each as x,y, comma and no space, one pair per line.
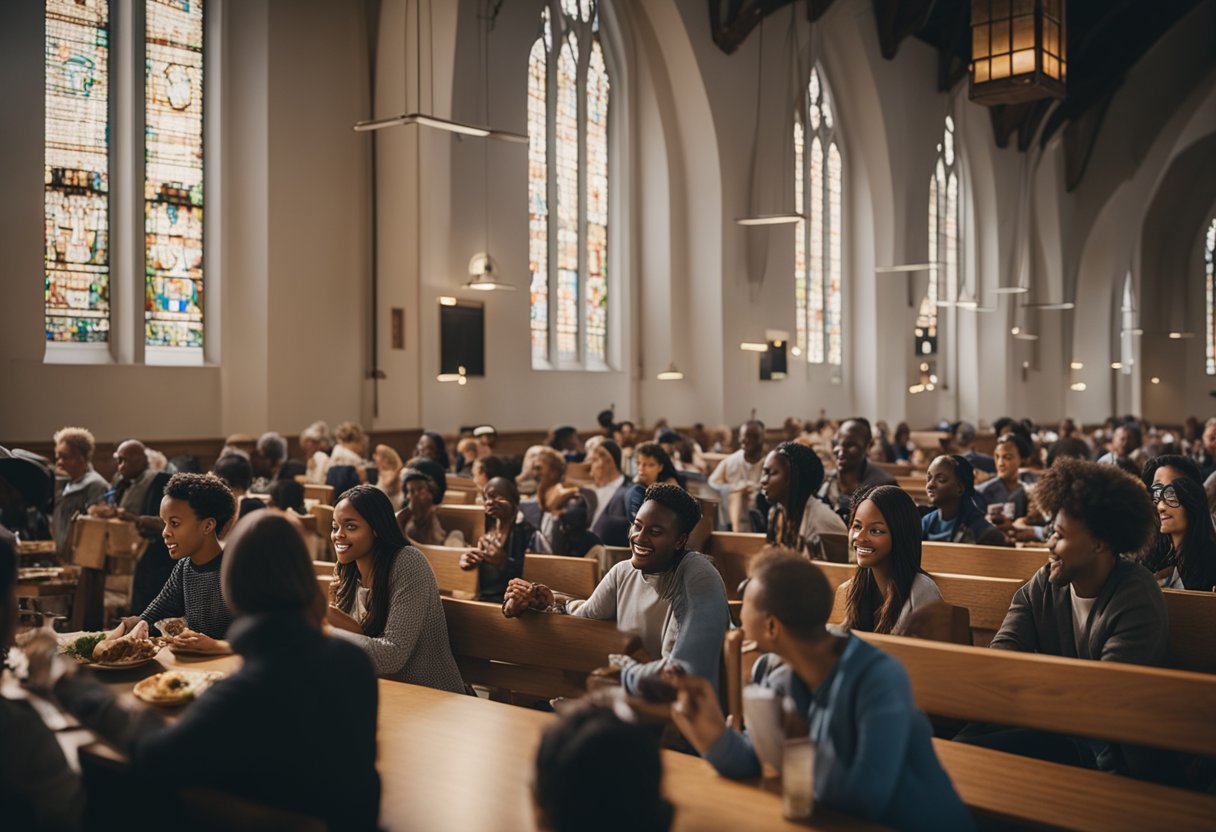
193,592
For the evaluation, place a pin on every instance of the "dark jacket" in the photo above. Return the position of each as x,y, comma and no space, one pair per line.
154,566
1128,623
492,580
612,526
294,728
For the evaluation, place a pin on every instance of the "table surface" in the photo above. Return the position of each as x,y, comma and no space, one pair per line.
434,747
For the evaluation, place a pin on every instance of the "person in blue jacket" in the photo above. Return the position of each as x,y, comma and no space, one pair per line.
874,755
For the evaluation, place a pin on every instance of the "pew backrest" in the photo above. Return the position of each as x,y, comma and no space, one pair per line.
537,654
452,580
985,561
1171,709
468,519
573,576
1192,629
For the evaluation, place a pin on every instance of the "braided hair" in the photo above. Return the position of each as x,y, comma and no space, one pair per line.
805,477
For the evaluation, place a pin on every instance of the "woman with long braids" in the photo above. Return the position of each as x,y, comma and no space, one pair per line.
797,518
957,516
884,536
384,597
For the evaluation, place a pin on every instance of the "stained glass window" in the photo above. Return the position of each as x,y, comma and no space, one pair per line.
818,241
77,171
173,175
944,263
1209,268
568,109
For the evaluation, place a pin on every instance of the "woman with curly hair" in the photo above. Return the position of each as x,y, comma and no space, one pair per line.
889,583
797,518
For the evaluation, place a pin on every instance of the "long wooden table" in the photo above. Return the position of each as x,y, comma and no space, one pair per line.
452,762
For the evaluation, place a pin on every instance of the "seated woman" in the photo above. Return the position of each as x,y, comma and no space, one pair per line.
1004,495
1183,556
797,518
388,471
594,771
467,452
316,443
672,598
889,584
548,469
874,755
431,446
384,597
499,555
351,448
486,468
654,466
957,517
418,518
269,583
572,533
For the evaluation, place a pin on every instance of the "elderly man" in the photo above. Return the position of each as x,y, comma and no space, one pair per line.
853,470
76,483
136,496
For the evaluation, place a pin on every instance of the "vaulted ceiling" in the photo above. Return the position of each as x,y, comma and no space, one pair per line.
1105,40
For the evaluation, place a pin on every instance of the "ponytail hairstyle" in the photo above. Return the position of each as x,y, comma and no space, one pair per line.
374,506
865,607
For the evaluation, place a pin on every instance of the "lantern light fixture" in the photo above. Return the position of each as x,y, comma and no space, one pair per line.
1018,51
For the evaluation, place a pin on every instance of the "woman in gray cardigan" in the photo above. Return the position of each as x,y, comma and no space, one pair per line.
384,596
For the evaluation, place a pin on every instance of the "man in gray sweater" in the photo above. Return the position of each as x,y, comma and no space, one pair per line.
673,599
1088,602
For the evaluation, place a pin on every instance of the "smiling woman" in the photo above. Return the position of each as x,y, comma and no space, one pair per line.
385,598
889,582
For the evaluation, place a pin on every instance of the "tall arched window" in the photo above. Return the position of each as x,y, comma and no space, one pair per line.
944,249
168,95
818,239
77,173
568,106
1209,282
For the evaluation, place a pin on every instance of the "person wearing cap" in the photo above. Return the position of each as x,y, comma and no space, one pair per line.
418,519
486,436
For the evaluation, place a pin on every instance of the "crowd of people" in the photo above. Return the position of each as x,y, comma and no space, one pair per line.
1123,511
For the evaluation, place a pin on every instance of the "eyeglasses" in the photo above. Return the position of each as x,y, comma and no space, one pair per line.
1165,493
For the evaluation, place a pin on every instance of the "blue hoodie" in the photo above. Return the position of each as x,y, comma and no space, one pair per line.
874,753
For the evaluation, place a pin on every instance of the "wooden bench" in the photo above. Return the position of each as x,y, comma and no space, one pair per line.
471,520
324,521
323,494
1101,700
459,497
573,576
538,655
452,580
985,561
458,483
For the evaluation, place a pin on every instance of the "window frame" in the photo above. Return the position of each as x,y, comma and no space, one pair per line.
592,31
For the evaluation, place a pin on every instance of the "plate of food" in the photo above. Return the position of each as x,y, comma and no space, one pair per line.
175,687
118,652
81,647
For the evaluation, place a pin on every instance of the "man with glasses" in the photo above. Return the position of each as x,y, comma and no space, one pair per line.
1090,601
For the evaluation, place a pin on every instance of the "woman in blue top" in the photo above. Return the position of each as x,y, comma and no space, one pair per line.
874,755
957,516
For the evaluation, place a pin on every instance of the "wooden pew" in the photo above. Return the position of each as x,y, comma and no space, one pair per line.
1192,629
459,497
320,492
324,514
730,552
578,473
457,483
323,568
469,519
1101,700
452,580
986,561
537,655
573,576
698,538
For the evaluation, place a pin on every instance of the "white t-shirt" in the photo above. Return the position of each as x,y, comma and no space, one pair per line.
1080,616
